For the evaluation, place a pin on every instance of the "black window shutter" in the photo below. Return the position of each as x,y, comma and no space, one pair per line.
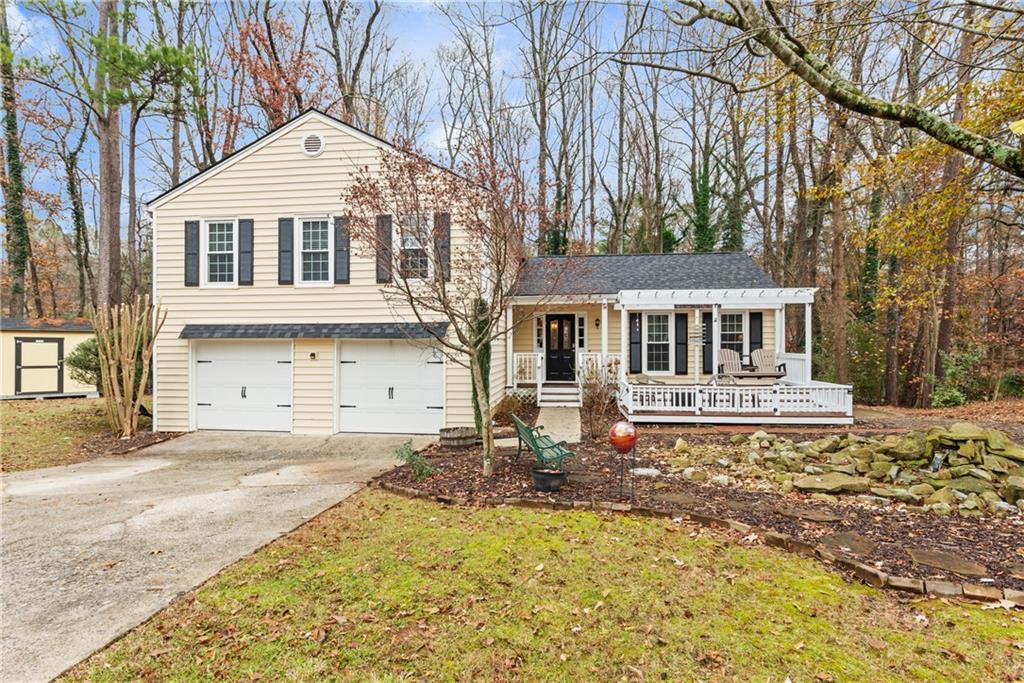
285,251
682,343
383,249
191,253
245,227
635,340
756,330
341,250
709,339
443,236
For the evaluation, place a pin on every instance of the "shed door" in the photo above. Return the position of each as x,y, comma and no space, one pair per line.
390,386
243,385
38,365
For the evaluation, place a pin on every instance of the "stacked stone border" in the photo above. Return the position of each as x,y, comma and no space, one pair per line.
865,573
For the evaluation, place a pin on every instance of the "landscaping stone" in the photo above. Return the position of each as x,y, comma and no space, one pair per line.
833,482
902,583
943,589
948,561
645,472
978,592
810,514
849,542
1013,490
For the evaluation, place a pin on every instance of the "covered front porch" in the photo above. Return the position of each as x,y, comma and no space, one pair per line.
663,349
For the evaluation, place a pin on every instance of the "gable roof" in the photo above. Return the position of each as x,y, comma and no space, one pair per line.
266,139
612,273
44,325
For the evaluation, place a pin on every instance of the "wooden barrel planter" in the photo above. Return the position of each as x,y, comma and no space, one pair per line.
458,437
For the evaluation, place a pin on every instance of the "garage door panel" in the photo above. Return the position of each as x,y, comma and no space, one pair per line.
390,387
244,386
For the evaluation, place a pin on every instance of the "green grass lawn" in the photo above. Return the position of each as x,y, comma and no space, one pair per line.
47,433
384,588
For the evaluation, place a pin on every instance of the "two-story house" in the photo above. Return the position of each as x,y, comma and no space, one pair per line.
275,322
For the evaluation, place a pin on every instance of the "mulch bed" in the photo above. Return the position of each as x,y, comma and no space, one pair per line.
503,427
108,444
877,536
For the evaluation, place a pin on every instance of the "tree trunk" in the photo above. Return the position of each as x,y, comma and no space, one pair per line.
483,404
108,135
18,245
950,172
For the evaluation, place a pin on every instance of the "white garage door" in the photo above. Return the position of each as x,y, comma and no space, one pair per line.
243,385
390,387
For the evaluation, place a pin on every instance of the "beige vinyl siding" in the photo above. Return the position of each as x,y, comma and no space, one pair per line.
313,386
498,368
458,395
276,180
7,369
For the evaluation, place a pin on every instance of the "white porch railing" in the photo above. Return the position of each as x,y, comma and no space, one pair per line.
593,364
770,400
526,368
797,371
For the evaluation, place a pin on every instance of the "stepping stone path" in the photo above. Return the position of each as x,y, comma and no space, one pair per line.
948,561
810,514
849,542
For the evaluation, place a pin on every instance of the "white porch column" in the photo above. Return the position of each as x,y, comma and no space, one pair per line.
510,368
716,339
624,342
604,332
807,340
780,331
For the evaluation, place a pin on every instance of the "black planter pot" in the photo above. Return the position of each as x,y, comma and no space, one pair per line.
547,480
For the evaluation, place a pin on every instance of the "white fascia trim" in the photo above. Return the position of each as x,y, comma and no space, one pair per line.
751,298
260,144
558,300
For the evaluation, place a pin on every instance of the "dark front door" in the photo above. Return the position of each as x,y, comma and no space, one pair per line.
561,342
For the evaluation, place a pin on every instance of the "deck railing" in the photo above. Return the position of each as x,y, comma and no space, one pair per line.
775,399
797,371
526,368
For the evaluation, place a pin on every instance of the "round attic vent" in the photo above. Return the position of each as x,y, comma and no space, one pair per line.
312,144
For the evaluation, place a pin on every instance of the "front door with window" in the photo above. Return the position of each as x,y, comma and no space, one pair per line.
561,348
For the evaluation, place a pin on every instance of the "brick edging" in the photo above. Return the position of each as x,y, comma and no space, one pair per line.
866,573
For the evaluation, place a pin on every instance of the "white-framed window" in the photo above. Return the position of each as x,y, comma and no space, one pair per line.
538,339
413,239
219,242
657,348
581,332
732,332
314,244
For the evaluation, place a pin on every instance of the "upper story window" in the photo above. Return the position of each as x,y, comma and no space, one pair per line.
220,252
732,332
314,263
413,257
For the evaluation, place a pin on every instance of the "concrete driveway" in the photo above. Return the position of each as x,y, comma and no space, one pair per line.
91,550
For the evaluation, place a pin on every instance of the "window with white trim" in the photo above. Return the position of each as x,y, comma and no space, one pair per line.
413,257
658,343
314,250
581,332
220,252
538,340
732,332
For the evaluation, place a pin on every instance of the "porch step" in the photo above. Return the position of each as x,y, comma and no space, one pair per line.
559,395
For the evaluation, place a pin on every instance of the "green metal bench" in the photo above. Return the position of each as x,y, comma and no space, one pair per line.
549,453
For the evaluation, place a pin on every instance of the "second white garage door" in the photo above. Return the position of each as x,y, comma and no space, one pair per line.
393,387
243,385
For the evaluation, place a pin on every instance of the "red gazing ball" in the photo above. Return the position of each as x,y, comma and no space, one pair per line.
622,436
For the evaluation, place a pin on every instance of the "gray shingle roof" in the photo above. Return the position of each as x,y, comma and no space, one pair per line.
315,331
609,274
45,325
